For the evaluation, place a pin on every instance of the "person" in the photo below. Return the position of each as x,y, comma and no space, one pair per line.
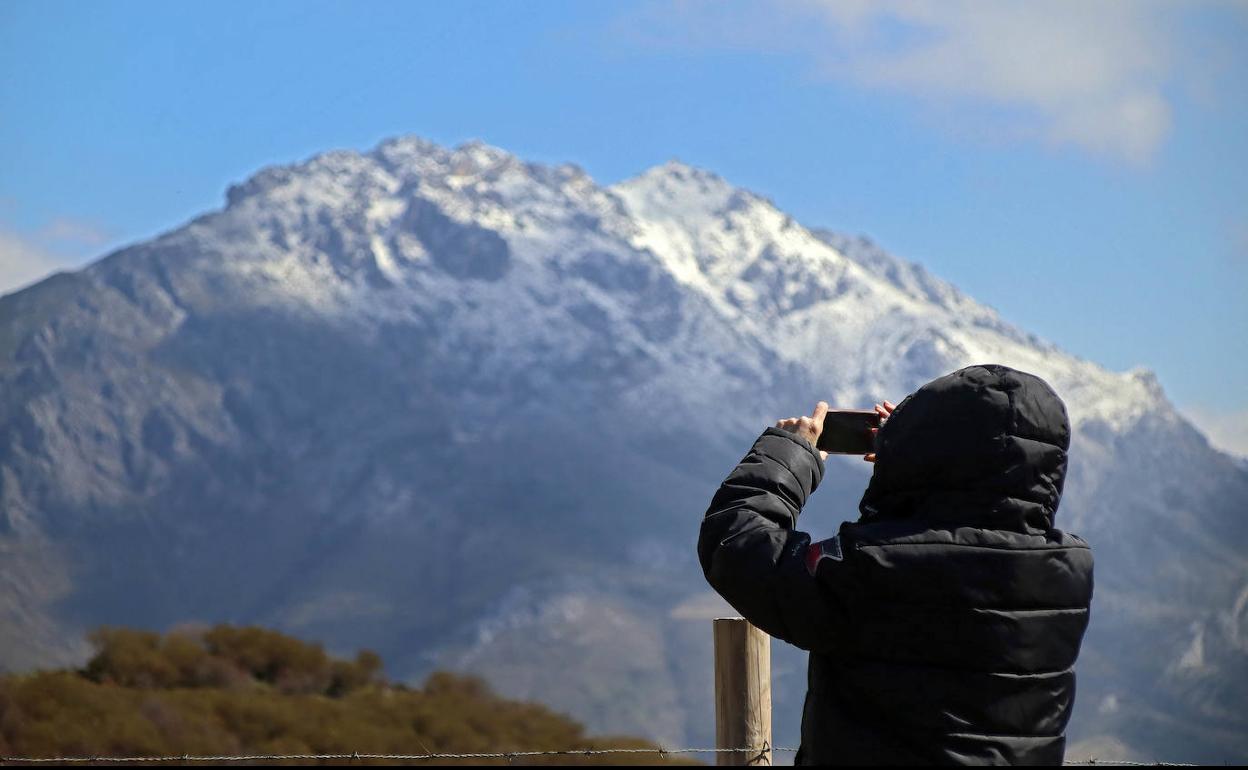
943,625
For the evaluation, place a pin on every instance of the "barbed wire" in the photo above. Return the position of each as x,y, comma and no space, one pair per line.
508,755
407,757
1129,763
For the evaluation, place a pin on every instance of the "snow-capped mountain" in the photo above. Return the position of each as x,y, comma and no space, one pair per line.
468,410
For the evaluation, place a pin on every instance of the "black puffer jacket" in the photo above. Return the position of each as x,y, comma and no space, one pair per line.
944,624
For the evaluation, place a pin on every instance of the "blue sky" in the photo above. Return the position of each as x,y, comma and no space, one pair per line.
1080,166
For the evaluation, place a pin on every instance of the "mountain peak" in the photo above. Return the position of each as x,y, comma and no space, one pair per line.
676,178
475,156
677,168
409,145
407,156
677,191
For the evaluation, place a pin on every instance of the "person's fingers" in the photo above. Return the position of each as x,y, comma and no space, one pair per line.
821,411
889,405
869,457
823,454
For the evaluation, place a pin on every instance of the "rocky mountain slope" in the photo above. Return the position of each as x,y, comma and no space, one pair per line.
467,410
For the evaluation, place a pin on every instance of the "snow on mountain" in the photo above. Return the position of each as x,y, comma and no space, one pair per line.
812,291
800,292
319,406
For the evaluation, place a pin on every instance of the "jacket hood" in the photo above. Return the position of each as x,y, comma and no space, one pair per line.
985,446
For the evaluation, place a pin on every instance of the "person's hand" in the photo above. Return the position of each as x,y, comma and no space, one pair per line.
883,410
808,428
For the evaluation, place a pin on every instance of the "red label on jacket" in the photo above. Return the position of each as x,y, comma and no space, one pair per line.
824,549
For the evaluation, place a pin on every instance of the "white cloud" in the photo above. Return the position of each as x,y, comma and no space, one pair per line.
63,243
24,261
1227,431
75,232
1089,75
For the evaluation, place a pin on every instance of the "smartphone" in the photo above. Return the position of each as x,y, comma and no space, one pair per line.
848,431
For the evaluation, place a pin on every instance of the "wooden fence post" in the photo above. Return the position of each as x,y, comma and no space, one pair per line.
742,692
